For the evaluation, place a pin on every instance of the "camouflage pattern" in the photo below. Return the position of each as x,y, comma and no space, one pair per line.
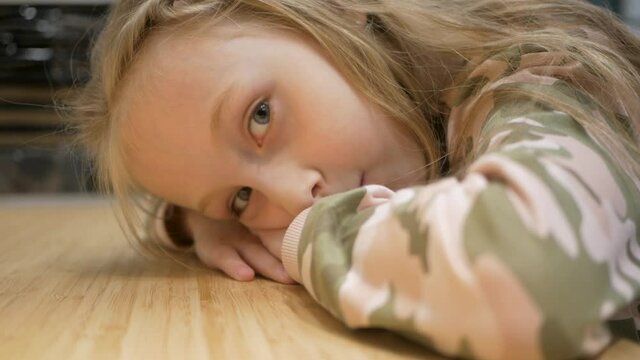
525,256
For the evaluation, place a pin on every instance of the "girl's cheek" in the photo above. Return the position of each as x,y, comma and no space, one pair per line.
263,214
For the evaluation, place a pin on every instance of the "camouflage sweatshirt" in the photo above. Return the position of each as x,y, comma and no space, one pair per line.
527,254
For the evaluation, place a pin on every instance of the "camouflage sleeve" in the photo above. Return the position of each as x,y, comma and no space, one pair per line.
525,256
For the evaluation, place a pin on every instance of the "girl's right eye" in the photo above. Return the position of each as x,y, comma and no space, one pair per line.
240,200
260,120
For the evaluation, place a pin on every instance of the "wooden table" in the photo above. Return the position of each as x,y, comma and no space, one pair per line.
71,287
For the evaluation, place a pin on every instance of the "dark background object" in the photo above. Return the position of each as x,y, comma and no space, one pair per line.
614,5
44,52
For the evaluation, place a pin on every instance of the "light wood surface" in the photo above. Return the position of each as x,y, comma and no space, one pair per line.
71,287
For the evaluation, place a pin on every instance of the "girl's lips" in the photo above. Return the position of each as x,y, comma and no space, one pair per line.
363,180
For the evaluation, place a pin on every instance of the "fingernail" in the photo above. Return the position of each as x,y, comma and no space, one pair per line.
244,273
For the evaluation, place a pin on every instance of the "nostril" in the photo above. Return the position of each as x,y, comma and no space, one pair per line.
315,192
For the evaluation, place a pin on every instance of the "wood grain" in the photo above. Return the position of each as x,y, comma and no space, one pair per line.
71,287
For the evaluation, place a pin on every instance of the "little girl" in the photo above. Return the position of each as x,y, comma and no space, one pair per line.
463,172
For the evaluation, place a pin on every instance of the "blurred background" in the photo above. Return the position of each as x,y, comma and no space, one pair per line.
44,47
43,54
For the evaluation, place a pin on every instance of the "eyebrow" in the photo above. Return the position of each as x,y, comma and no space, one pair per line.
222,101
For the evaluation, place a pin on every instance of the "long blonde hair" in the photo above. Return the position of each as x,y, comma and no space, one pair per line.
402,58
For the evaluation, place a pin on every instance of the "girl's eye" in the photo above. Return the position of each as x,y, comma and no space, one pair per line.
241,200
260,119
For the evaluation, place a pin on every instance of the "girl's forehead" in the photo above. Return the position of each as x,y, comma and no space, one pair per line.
174,62
224,51
166,55
220,47
176,38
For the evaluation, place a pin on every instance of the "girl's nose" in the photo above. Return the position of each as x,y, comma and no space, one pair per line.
293,190
281,193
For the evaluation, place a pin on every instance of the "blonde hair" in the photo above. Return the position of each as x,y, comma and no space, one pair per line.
401,59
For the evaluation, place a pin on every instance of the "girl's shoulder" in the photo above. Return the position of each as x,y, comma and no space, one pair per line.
530,78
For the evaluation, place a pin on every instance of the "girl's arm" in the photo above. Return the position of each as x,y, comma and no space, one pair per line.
525,256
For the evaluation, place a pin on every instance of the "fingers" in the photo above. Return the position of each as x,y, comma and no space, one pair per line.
241,263
230,247
272,240
224,258
241,259
264,262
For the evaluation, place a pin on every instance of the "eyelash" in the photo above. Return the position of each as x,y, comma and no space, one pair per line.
246,191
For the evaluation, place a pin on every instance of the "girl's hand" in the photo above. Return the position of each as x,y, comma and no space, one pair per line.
231,248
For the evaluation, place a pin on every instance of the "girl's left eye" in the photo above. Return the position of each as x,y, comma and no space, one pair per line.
260,119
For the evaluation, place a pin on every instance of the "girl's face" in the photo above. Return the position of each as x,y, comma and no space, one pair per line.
249,122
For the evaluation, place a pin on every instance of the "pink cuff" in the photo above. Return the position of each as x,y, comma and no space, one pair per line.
289,250
375,195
